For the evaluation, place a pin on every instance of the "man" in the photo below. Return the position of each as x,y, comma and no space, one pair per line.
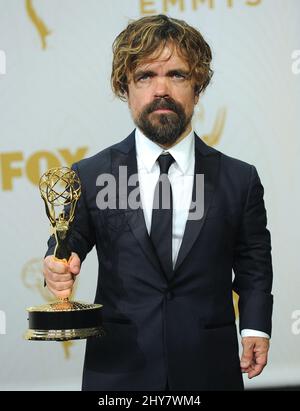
165,277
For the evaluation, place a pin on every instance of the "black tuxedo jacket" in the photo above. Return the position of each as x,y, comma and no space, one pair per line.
179,329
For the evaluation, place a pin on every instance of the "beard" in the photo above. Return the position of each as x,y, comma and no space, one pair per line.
163,128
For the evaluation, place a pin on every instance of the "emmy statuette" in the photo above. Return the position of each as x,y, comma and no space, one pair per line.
64,319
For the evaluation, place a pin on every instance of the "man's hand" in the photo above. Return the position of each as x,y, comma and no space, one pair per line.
60,276
255,355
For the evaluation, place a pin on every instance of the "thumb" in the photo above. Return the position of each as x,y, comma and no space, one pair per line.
247,355
74,264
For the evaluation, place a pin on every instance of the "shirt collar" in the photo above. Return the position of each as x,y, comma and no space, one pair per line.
148,151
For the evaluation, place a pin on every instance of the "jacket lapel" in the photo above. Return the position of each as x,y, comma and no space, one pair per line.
124,154
207,162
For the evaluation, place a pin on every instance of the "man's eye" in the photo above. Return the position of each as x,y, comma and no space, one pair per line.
178,75
143,77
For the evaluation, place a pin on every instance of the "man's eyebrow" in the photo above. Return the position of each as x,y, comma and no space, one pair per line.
179,71
140,72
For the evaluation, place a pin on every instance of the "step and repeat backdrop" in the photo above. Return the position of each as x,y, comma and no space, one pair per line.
56,107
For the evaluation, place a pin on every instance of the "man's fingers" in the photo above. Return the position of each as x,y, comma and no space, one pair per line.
55,266
246,369
255,355
60,286
260,362
60,294
61,289
58,277
247,355
54,276
74,264
255,370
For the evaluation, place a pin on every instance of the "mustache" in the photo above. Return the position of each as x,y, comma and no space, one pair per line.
164,104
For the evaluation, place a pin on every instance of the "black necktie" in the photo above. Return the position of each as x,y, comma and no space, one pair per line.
162,212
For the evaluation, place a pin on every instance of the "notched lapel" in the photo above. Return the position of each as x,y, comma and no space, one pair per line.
135,217
207,162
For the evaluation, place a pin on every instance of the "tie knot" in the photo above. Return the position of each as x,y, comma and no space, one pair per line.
165,160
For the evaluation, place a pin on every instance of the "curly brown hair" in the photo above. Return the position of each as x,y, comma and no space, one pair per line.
148,36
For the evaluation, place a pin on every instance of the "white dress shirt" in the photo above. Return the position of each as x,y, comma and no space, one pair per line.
181,176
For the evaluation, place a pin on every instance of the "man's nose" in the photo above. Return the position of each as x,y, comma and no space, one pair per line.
161,87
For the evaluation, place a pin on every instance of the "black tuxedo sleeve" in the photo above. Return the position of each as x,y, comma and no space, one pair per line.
82,238
252,262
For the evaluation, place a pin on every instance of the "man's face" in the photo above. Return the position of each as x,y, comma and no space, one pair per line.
161,97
